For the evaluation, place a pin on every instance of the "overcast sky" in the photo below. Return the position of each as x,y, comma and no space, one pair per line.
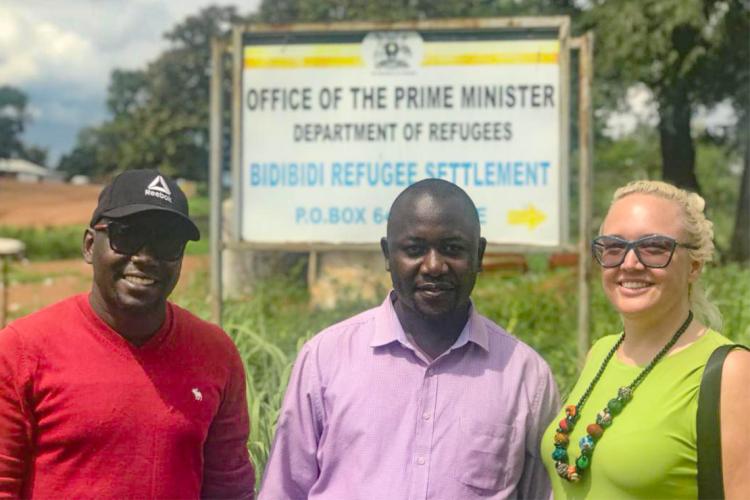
61,53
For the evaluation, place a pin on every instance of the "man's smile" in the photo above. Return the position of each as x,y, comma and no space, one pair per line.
139,279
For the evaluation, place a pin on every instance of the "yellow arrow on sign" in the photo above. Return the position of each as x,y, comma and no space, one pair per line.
529,216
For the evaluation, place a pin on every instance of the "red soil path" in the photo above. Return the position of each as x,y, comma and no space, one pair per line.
45,204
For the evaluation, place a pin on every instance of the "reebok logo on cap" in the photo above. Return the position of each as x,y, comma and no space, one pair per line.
159,189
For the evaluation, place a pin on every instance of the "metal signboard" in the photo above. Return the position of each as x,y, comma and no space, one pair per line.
336,124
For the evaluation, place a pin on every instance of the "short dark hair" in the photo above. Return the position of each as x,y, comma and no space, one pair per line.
435,188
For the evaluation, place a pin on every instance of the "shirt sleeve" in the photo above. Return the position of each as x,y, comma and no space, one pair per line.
292,467
15,417
227,470
535,482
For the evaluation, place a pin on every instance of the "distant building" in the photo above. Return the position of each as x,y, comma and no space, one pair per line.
80,180
26,171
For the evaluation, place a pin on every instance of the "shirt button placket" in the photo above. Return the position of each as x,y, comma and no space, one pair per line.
424,431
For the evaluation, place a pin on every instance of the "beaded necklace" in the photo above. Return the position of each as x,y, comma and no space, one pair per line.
604,418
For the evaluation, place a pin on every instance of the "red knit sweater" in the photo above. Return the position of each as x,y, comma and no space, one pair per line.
84,414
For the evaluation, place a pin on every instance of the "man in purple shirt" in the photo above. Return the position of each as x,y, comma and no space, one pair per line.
421,397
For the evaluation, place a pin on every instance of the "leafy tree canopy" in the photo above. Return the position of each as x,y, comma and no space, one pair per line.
14,117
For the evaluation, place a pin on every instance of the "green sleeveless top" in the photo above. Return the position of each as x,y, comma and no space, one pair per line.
649,451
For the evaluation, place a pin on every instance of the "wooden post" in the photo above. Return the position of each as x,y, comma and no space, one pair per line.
586,151
237,66
215,178
8,248
312,269
4,295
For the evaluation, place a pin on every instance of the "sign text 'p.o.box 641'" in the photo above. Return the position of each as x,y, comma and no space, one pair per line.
335,125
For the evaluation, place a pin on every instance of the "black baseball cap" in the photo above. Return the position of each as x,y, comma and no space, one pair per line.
143,190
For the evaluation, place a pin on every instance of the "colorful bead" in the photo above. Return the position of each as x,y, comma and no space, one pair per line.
564,425
571,410
583,462
562,469
573,474
595,430
561,438
615,406
560,454
604,419
625,394
586,443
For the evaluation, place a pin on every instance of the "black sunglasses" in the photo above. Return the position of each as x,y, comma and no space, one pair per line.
165,243
652,251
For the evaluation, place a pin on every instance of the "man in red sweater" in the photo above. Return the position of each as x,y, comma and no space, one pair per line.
119,393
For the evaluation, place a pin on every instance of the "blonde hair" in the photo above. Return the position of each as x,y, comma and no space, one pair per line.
699,233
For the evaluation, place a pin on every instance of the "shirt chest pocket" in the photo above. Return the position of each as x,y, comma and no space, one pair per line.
486,457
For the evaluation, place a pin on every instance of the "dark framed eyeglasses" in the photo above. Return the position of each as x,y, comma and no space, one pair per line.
652,251
165,243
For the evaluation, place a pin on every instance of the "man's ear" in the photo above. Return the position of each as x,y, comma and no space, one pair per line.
386,253
87,246
482,248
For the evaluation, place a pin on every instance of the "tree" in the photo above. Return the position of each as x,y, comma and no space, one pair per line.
678,49
13,120
739,250
287,11
159,114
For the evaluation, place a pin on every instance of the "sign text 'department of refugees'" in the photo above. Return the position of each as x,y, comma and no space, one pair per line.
334,126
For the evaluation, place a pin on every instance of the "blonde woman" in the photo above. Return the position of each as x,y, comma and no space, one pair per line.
628,428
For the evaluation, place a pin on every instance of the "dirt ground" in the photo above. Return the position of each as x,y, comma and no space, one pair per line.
45,204
37,284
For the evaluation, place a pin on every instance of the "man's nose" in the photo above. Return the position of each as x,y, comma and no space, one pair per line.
433,263
145,253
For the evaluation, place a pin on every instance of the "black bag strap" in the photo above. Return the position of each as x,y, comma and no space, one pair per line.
710,477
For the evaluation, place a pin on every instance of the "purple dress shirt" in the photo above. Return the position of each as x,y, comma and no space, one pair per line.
367,416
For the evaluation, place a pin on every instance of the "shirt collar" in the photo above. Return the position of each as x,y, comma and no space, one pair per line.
388,328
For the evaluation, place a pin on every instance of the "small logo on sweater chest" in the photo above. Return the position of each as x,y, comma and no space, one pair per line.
197,394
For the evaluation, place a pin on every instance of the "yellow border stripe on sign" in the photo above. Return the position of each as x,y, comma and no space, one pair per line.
481,59
302,62
491,52
304,56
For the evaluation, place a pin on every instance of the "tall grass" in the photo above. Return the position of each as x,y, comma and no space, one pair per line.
538,307
47,243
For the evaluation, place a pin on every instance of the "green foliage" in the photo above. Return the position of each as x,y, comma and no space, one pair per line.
159,114
717,169
285,11
14,116
687,52
200,206
538,307
669,43
47,243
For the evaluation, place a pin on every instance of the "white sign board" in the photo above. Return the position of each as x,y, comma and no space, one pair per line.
334,130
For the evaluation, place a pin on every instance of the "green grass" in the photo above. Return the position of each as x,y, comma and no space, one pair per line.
539,307
47,243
